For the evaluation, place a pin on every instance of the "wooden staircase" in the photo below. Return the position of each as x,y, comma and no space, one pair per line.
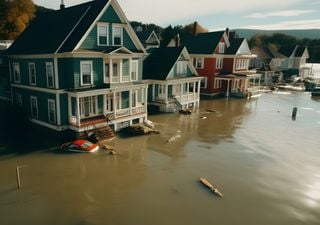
104,133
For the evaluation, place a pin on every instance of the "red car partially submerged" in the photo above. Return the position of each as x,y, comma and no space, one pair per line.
79,145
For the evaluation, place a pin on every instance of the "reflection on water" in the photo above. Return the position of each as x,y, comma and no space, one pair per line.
265,164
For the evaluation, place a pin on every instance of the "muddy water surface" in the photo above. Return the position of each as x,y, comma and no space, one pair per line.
266,165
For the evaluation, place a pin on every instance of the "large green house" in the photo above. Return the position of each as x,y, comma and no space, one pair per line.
80,68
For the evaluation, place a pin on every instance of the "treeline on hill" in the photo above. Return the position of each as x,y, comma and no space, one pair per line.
166,34
15,15
281,40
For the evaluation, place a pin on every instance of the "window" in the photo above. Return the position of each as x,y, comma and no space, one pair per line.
182,68
51,111
103,34
16,73
134,70
34,106
219,63
217,84
86,73
134,98
50,74
221,47
107,72
162,90
32,73
117,36
87,106
199,63
109,103
242,64
204,82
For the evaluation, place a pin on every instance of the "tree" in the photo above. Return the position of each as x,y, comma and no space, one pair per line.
15,15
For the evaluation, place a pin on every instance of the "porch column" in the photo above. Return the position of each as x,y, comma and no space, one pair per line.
58,109
194,89
115,108
199,88
181,91
188,89
69,108
166,93
130,103
153,92
146,99
228,86
130,69
104,110
120,71
78,112
111,70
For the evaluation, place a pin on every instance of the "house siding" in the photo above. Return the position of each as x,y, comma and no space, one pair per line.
110,16
64,109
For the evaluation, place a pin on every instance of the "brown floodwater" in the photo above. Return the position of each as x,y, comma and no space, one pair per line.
266,165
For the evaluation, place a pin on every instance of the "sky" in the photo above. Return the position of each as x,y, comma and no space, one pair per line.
217,15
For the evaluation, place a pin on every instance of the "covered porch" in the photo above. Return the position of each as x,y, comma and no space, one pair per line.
89,109
177,94
240,85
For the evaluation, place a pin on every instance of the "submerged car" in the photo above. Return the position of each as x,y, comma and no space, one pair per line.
79,145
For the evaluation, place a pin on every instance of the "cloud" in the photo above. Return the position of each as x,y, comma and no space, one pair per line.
287,25
283,13
168,11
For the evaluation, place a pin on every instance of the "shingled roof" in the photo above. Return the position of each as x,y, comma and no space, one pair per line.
143,35
234,46
159,63
203,43
57,31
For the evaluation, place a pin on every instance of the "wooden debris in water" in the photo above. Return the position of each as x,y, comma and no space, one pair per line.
206,183
210,110
110,149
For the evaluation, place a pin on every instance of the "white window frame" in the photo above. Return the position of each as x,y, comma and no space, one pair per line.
109,103
201,63
221,47
242,64
48,74
36,113
219,63
113,35
217,84
93,106
103,27
205,82
31,76
134,73
16,76
52,103
81,73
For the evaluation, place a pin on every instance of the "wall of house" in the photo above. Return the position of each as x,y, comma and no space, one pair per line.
228,64
41,75
42,99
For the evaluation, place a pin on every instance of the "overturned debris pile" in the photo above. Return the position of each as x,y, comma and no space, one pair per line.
140,129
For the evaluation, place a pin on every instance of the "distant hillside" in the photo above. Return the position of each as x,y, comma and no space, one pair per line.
300,34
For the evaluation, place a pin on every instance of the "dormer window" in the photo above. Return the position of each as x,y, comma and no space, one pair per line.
103,34
117,36
221,47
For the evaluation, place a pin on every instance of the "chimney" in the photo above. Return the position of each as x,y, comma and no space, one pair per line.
62,6
195,25
177,40
227,32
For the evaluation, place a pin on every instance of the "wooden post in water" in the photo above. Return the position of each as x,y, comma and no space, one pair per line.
18,175
294,113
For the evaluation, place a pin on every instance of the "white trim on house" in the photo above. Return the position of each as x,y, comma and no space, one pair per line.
56,73
83,63
39,89
105,27
120,35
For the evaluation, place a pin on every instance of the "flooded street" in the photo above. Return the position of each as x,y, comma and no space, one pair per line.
266,165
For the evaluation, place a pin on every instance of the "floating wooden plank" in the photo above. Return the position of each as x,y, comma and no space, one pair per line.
206,183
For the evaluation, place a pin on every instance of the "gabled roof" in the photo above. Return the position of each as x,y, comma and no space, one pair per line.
59,30
267,53
287,50
299,51
203,43
235,44
159,63
143,35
